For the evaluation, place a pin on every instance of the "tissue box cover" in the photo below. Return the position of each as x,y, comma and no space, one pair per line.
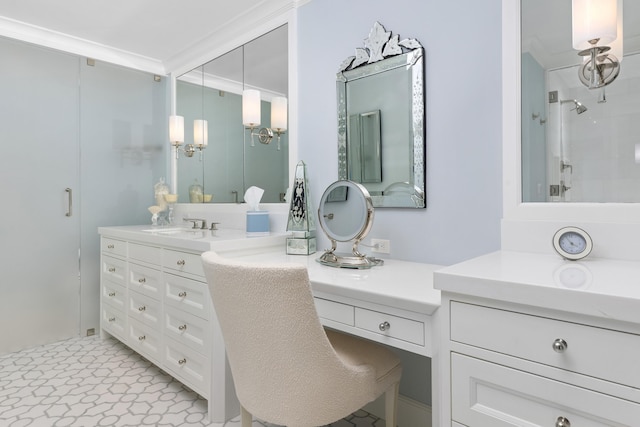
257,221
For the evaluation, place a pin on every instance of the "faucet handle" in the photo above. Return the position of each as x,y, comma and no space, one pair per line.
195,222
214,226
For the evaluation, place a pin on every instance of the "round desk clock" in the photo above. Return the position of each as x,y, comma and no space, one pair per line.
572,243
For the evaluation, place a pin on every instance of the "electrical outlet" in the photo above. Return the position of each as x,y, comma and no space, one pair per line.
381,246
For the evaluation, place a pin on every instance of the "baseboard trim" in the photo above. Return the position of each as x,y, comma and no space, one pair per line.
411,413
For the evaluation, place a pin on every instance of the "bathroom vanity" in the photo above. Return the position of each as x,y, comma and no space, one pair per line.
155,299
531,339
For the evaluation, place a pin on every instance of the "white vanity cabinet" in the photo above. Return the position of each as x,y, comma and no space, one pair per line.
155,299
520,347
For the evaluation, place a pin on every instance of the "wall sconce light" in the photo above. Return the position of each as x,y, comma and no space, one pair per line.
596,25
251,113
176,135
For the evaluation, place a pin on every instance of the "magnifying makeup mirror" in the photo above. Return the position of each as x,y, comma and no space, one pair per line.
346,214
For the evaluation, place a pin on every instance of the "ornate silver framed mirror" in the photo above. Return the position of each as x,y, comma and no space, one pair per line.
346,214
381,131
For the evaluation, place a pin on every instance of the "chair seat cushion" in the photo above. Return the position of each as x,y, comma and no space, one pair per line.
357,351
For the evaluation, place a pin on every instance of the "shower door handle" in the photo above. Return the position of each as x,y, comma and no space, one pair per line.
70,199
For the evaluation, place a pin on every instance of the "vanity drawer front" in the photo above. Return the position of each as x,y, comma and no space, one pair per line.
187,329
184,262
391,326
114,321
114,269
335,311
485,394
150,254
144,309
189,366
145,280
145,340
113,247
593,351
188,295
114,294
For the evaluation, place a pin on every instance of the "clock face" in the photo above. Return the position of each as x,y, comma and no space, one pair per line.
572,243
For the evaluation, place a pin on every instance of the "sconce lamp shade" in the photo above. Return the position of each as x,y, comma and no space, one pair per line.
279,113
176,130
200,133
593,19
617,46
251,108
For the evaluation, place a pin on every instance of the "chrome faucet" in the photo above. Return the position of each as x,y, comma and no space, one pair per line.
195,221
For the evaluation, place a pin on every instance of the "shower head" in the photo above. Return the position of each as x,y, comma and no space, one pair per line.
579,107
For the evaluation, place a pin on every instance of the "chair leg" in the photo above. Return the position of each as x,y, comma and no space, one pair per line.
245,417
391,405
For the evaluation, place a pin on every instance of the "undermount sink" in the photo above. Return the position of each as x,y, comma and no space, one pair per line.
169,230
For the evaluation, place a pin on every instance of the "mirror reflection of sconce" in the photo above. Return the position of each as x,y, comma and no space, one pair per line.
597,34
251,116
200,136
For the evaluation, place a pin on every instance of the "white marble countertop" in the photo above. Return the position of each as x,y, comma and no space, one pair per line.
400,284
224,240
594,286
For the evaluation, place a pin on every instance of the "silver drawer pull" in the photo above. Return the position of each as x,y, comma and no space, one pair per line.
182,361
112,294
384,326
142,338
142,280
180,262
562,422
112,269
110,246
142,308
182,327
112,319
182,294
559,346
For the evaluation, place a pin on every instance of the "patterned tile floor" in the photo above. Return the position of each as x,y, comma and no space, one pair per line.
87,382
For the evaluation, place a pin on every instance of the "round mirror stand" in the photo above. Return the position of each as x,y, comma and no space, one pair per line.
346,214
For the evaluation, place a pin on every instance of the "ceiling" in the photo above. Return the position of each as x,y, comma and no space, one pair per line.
151,32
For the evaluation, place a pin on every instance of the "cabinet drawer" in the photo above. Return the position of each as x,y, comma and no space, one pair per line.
145,280
145,340
114,269
113,247
150,254
489,395
114,295
189,366
187,329
593,351
335,311
187,295
182,262
391,326
144,309
114,321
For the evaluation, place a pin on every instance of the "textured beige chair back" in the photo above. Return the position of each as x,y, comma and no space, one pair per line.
284,367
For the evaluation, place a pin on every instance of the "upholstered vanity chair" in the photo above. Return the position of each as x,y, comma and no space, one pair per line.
286,368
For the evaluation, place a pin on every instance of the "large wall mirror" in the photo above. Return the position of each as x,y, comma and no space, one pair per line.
381,133
231,163
578,144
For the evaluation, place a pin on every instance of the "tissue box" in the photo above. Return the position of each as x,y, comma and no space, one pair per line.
257,222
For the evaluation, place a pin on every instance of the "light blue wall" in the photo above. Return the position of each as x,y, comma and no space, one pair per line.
462,42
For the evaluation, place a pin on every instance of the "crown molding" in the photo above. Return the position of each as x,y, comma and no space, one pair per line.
43,37
260,19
